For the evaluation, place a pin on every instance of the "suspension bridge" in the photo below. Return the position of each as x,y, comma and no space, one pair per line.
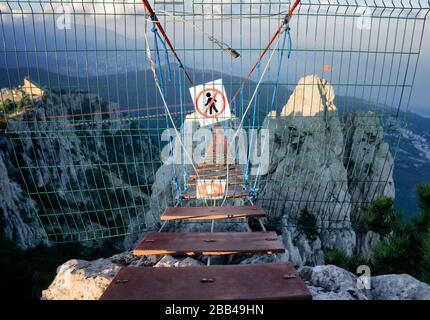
259,51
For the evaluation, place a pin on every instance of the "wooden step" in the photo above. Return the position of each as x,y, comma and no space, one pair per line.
209,243
231,182
212,213
210,166
214,174
270,281
231,194
217,165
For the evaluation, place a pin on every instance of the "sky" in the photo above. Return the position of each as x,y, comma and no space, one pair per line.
245,36
420,101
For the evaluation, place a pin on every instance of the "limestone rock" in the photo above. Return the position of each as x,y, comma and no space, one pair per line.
331,283
399,287
311,96
72,171
265,258
307,147
368,161
169,261
325,163
366,242
81,280
19,210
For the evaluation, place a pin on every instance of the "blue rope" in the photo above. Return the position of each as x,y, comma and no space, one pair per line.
253,190
290,43
166,53
184,168
158,61
157,57
254,114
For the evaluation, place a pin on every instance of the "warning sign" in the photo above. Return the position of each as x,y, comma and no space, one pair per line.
211,103
210,188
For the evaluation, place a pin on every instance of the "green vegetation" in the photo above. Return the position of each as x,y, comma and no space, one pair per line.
406,244
381,216
407,250
9,107
308,224
426,259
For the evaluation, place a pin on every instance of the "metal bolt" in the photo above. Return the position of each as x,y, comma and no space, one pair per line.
121,281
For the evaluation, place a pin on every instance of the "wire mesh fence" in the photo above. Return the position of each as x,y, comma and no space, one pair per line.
82,119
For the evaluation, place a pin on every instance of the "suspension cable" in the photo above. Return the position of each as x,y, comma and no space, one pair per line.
222,45
160,90
160,28
283,25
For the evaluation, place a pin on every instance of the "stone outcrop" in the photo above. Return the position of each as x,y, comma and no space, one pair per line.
81,280
87,280
333,283
329,166
399,287
18,210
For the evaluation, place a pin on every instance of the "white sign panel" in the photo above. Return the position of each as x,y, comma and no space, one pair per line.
210,188
210,103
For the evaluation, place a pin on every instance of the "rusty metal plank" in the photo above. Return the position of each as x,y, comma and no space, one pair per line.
209,243
212,213
271,281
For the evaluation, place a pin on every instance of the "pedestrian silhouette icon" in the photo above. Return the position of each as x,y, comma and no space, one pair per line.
211,103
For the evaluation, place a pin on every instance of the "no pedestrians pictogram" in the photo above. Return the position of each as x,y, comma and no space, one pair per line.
211,103
214,105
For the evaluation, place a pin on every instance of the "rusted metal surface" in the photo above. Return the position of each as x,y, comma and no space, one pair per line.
209,243
271,281
212,213
231,193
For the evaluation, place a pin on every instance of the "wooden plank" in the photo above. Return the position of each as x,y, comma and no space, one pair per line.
231,182
209,166
212,213
209,243
215,174
231,194
270,281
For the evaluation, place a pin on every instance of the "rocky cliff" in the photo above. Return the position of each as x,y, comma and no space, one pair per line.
328,165
79,176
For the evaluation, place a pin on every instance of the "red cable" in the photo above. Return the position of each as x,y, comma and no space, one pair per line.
74,115
288,15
